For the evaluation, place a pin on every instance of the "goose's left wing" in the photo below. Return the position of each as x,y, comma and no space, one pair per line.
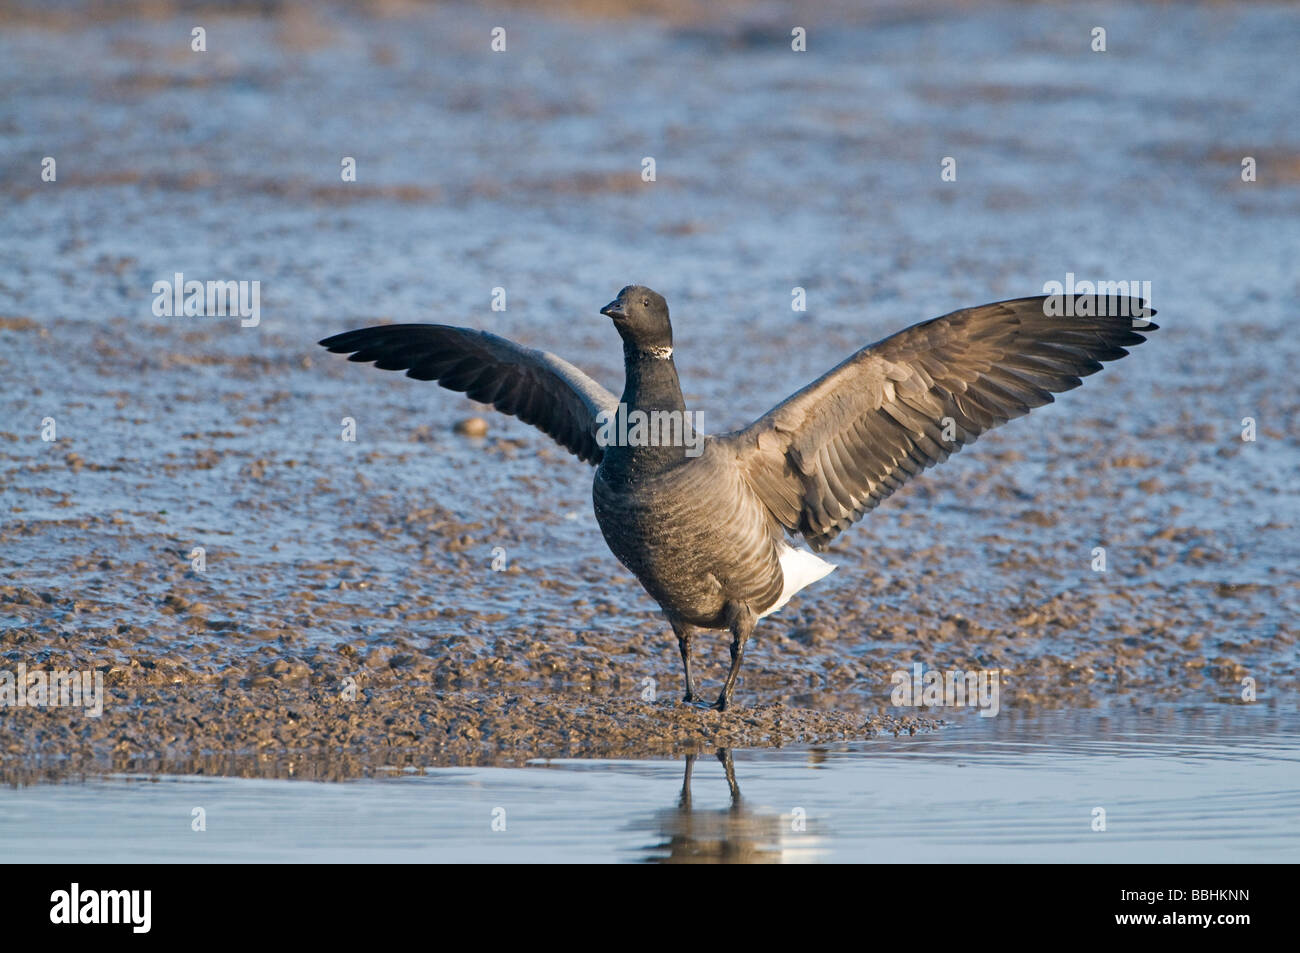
832,451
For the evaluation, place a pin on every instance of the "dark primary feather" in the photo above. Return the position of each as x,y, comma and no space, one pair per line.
832,451
535,386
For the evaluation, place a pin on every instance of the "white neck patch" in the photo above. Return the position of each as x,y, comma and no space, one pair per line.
662,353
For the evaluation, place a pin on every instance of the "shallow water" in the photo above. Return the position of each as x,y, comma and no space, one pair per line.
1173,788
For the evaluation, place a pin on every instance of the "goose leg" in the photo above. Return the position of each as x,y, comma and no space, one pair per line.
729,766
684,634
742,625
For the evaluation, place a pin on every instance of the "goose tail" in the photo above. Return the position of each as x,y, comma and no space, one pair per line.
800,568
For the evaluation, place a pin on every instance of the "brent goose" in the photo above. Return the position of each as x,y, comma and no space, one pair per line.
702,520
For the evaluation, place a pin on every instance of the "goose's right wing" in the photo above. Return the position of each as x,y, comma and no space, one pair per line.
535,386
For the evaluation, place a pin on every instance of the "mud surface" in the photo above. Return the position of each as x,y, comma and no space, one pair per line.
348,615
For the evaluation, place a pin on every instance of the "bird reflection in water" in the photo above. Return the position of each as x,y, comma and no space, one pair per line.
736,834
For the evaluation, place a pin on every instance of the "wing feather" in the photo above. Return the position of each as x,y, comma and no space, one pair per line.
535,386
829,453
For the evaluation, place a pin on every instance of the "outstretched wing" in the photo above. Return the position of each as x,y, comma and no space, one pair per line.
834,450
535,386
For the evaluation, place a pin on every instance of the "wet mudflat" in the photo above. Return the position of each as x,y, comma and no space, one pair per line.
348,619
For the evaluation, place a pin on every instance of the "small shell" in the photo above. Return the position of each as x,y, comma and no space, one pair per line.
471,427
